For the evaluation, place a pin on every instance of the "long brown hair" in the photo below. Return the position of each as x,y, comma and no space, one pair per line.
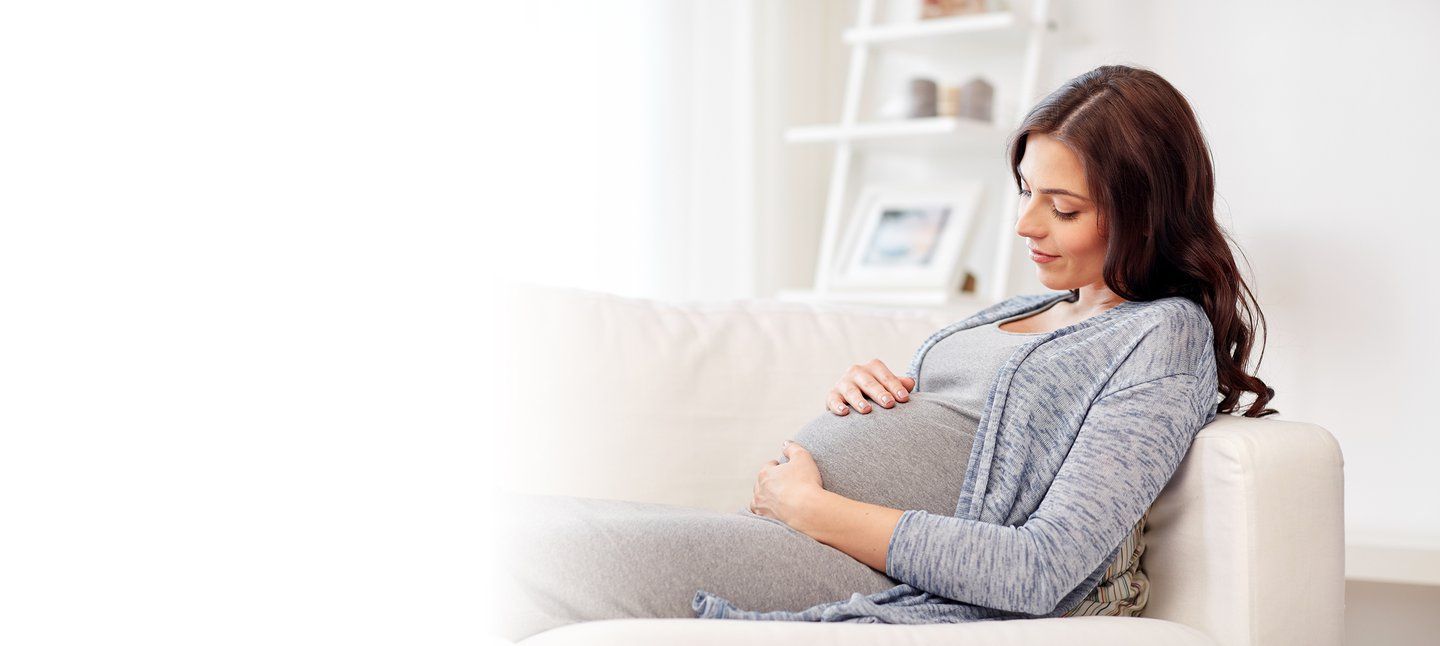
1150,173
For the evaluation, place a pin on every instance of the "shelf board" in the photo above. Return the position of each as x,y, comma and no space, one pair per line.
924,132
924,29
945,38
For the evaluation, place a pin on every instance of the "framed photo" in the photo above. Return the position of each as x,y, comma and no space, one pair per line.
909,237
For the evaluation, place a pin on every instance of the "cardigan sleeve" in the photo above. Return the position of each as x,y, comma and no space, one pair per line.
1128,446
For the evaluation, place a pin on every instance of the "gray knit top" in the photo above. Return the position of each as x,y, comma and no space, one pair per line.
1080,430
913,454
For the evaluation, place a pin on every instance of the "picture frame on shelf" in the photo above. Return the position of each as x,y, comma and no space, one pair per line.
909,237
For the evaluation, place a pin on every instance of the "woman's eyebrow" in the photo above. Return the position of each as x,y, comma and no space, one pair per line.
1054,191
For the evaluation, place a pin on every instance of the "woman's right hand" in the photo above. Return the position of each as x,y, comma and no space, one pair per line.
872,378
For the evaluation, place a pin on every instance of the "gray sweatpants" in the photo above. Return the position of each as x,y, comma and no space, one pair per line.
582,559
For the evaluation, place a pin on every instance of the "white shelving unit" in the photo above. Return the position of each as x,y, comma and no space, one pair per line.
937,37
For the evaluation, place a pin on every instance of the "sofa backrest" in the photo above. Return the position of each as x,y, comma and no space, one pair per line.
677,402
683,402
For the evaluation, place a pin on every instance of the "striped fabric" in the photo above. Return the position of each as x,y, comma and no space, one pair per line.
1124,588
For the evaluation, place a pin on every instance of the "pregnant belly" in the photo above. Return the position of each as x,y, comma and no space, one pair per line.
911,456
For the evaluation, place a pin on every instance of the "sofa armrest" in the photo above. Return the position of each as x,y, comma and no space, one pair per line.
1246,542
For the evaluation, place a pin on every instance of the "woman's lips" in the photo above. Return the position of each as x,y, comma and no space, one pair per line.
1040,257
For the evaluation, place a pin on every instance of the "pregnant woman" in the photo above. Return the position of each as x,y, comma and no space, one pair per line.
1008,472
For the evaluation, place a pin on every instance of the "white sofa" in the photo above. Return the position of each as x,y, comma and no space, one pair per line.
683,402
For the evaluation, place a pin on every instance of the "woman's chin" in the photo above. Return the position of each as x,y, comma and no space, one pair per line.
1052,282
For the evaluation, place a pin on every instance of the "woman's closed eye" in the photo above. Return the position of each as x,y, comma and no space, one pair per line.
1063,215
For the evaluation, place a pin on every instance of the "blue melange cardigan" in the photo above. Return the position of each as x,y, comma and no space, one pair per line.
1082,429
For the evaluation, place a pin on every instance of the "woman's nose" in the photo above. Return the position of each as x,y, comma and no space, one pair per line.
1027,224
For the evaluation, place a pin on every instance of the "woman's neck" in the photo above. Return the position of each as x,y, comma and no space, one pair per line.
1093,300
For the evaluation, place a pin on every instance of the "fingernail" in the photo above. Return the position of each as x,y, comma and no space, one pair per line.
885,400
900,393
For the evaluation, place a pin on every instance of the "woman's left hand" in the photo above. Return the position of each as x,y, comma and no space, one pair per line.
782,490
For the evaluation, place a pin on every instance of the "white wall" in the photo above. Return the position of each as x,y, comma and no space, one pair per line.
799,79
626,129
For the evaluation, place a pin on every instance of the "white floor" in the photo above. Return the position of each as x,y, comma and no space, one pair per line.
1391,614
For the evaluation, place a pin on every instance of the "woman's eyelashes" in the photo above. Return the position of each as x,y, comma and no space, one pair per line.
1063,215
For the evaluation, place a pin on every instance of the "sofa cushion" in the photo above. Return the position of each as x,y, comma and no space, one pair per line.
1071,631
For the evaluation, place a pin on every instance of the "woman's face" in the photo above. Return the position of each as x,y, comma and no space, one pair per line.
1057,217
